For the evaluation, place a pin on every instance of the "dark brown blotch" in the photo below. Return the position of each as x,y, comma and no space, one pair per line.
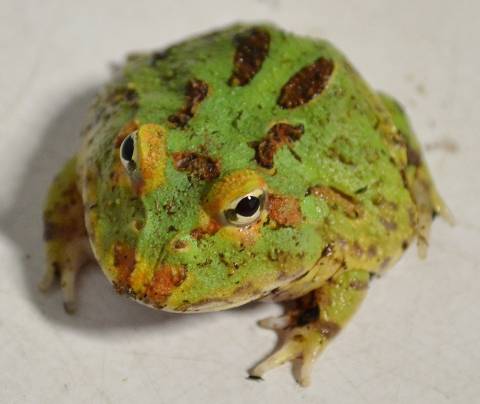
251,50
307,83
195,92
126,94
279,135
65,219
197,165
413,156
124,262
309,315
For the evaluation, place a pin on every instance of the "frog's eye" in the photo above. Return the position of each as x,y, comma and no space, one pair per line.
128,152
246,209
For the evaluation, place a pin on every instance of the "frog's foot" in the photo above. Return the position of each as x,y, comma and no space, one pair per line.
313,320
65,235
303,343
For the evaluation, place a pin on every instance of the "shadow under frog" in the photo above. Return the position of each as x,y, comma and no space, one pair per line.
100,309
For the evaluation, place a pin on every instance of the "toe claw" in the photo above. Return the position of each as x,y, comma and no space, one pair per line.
70,307
275,323
47,279
289,351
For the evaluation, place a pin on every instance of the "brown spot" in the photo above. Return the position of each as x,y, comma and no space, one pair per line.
201,232
372,251
336,198
65,219
385,263
123,94
195,93
298,338
59,231
327,251
306,84
323,299
285,210
251,50
413,156
357,249
404,244
137,224
412,217
124,262
199,166
180,245
309,315
328,328
279,135
165,280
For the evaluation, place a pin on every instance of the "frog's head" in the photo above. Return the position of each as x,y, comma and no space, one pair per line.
203,201
200,238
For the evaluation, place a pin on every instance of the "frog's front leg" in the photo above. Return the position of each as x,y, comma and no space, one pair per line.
312,321
66,239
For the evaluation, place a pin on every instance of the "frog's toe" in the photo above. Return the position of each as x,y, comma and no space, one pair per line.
67,283
47,280
300,344
275,323
64,260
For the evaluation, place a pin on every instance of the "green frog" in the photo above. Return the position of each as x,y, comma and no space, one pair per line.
242,165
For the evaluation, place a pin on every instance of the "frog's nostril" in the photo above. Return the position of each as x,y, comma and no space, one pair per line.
179,245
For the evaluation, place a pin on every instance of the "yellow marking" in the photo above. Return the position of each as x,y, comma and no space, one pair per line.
152,156
141,276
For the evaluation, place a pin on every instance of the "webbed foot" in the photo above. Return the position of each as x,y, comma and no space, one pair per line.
311,322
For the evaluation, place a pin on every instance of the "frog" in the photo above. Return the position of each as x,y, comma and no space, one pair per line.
246,164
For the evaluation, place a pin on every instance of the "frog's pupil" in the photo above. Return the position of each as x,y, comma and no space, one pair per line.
248,206
127,148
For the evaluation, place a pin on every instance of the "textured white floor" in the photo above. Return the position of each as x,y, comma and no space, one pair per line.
416,338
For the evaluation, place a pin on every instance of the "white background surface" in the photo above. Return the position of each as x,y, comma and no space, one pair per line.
416,339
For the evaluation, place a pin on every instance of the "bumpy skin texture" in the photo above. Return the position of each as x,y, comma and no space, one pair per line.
217,117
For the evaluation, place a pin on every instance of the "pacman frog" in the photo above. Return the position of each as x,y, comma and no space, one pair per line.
247,164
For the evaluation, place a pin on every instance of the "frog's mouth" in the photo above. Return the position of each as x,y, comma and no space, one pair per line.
243,295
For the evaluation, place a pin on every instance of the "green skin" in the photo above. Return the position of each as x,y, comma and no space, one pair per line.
356,145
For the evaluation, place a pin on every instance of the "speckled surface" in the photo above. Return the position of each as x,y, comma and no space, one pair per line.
416,339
